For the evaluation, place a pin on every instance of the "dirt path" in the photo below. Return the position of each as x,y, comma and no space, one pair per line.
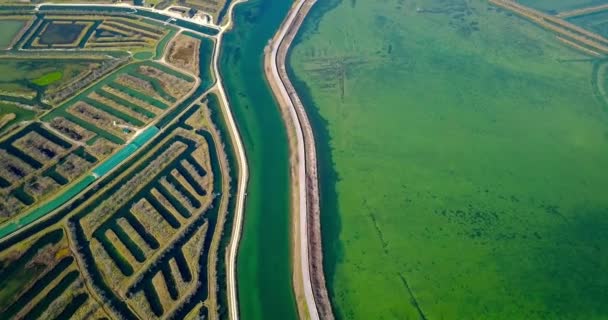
309,280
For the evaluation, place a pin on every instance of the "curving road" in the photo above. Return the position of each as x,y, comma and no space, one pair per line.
233,246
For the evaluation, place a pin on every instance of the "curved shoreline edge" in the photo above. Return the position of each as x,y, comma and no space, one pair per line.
308,248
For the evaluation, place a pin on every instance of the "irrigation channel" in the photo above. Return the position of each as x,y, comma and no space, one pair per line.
131,148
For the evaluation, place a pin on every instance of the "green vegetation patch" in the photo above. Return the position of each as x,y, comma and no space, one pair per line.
30,80
463,163
48,78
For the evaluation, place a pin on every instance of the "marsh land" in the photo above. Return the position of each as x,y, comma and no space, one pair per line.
116,171
462,158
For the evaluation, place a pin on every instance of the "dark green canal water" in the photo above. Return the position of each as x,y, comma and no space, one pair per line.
264,272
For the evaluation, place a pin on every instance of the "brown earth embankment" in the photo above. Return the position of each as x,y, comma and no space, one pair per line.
315,249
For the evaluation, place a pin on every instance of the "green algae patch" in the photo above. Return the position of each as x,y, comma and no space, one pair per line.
463,166
48,79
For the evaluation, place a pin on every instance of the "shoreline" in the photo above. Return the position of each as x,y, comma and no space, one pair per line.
305,190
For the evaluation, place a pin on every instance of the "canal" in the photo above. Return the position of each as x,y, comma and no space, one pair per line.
264,261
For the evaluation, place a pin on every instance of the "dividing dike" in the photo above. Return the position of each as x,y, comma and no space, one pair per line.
309,279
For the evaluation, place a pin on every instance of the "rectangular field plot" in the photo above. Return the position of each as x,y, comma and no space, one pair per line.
183,53
50,34
123,32
62,32
41,148
40,280
34,163
93,32
10,29
120,104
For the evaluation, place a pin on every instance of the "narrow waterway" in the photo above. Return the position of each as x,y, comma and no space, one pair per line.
264,261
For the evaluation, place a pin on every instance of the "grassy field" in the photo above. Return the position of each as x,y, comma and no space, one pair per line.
20,113
27,76
33,70
463,163
48,78
9,30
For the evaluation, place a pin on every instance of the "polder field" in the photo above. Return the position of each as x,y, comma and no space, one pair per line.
9,30
115,186
463,154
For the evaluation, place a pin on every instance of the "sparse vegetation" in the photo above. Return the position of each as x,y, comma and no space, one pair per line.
183,53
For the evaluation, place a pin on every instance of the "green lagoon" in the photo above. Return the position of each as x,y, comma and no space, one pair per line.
463,162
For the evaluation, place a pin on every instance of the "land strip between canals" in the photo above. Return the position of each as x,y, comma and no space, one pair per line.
309,279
